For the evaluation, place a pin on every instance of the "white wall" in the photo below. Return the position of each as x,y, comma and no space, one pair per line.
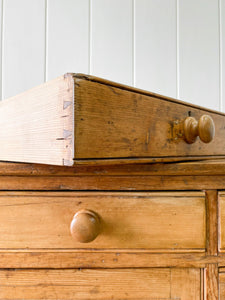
172,47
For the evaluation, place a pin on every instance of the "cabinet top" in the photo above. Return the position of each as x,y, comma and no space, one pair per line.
81,119
193,168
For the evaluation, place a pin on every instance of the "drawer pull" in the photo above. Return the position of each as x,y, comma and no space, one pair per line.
85,226
204,128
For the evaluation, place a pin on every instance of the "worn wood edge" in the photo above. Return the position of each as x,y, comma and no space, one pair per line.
139,91
138,160
114,194
220,249
112,183
38,259
212,222
105,250
212,282
200,167
202,283
64,137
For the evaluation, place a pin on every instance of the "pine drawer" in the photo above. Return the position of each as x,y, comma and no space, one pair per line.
126,220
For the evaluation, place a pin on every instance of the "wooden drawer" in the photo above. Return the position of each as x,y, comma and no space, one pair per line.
170,284
83,119
134,220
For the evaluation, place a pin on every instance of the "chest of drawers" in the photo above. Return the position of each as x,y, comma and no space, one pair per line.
122,195
140,231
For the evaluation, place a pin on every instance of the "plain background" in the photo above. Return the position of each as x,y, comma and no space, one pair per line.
171,47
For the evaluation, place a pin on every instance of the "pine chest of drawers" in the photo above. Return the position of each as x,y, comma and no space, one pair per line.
132,207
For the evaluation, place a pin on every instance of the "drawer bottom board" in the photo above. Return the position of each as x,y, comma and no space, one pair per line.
80,284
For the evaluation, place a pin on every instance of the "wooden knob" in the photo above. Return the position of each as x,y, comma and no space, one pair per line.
85,226
204,128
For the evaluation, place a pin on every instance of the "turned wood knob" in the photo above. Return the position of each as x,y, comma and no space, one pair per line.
85,226
204,128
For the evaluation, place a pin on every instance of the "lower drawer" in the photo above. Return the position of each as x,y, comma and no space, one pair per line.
41,220
169,284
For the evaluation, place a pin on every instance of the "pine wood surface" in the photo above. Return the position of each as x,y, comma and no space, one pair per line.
128,220
221,209
76,119
113,259
112,183
222,283
212,222
129,124
201,167
149,284
37,124
212,282
152,245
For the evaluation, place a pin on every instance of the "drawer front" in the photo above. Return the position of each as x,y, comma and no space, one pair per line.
115,123
170,284
124,220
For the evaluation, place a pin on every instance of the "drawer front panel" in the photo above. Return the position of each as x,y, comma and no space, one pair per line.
170,284
116,123
221,200
127,220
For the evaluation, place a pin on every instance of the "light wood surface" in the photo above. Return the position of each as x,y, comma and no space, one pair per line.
36,126
111,183
221,229
128,220
190,168
134,124
171,284
222,284
212,282
109,258
212,222
77,119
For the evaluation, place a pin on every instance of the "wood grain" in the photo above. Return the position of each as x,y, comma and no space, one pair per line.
37,124
221,223
212,282
97,284
112,183
183,278
90,259
201,167
222,285
128,220
212,222
129,124
58,122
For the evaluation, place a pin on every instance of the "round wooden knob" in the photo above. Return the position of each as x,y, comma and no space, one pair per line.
85,226
204,128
